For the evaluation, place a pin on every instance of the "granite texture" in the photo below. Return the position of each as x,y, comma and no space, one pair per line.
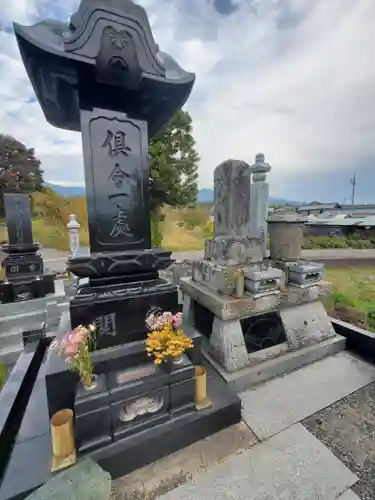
84,481
227,344
229,308
347,428
232,182
307,323
291,465
279,403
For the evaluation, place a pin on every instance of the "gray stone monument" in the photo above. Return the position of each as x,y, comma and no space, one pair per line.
32,301
258,317
259,196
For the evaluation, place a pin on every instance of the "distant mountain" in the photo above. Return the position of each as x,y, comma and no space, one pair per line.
66,191
205,195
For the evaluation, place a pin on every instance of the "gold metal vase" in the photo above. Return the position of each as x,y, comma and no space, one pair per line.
62,438
201,400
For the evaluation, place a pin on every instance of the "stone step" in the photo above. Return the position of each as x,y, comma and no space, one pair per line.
22,321
291,465
27,306
13,338
272,407
9,355
252,375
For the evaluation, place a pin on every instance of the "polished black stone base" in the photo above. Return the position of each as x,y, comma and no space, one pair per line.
27,288
119,309
103,265
23,267
30,461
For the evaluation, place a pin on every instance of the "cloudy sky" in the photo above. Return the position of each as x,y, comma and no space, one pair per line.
294,79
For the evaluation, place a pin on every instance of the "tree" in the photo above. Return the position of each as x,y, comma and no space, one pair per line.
19,168
173,163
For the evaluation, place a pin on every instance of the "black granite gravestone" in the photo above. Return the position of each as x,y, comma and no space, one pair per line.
17,213
103,74
112,82
23,266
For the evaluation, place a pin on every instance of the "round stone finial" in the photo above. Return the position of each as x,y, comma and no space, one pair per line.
73,223
260,168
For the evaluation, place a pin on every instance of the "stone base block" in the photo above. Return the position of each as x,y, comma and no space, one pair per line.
230,308
261,372
119,310
307,324
253,338
219,278
227,344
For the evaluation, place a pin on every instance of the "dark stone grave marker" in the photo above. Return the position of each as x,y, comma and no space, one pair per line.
23,266
114,85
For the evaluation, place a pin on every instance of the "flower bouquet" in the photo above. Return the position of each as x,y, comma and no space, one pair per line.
75,348
166,340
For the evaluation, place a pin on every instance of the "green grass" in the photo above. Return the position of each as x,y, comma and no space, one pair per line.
2,375
353,295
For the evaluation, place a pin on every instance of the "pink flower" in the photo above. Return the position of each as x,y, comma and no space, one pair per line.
71,349
177,320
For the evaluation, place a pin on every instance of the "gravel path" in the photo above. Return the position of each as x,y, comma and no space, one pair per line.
347,428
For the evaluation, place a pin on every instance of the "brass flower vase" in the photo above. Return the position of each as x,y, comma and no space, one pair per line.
202,402
62,438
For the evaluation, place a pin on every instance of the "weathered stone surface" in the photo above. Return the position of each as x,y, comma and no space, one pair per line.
234,250
265,280
84,481
232,199
263,367
307,323
291,465
279,403
227,345
228,308
158,478
305,273
259,199
221,279
286,236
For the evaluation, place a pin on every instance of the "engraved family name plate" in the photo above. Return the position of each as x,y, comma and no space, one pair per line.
116,169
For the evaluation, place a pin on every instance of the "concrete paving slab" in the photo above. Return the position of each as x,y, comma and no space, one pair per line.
153,480
349,495
291,465
282,402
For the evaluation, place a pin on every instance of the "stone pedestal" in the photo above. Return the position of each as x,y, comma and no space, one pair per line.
242,333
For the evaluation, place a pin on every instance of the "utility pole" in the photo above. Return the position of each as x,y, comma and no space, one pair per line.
353,183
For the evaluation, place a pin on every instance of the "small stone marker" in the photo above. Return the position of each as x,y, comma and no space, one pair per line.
84,481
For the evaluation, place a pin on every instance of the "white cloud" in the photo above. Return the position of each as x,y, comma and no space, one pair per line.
292,78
